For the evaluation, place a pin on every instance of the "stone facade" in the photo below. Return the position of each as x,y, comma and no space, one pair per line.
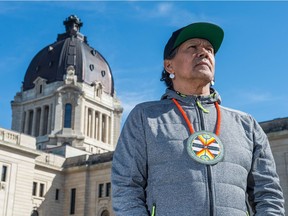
93,122
32,180
17,163
277,133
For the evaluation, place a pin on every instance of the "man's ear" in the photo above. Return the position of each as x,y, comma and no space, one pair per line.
168,65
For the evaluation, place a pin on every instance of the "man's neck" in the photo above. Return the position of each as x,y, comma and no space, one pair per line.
191,89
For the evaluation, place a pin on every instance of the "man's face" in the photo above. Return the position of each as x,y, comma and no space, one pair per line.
194,61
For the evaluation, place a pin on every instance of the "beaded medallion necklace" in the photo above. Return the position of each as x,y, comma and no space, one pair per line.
203,146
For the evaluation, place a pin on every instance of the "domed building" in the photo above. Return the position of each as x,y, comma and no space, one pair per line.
68,97
57,158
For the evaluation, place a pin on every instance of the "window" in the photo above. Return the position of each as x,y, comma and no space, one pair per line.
91,66
45,122
72,201
93,52
24,121
4,173
38,117
98,92
57,194
40,89
30,122
68,116
108,189
41,192
100,190
34,190
103,73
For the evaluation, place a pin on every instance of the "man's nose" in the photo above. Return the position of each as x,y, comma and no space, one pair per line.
202,52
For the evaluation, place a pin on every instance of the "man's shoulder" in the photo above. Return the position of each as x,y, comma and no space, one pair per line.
238,114
152,104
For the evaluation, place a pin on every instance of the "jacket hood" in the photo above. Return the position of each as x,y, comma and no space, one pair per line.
209,99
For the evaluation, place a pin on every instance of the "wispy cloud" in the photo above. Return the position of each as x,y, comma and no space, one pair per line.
164,9
174,14
99,7
132,91
129,99
253,97
258,97
261,103
9,8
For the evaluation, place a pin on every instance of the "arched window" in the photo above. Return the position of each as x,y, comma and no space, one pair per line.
45,122
30,122
105,213
34,213
68,115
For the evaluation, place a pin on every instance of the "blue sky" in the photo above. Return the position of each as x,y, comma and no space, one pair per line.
251,65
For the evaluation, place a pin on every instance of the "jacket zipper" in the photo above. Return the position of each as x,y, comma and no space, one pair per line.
210,190
208,167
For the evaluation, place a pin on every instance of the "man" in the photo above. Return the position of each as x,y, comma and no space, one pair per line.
186,155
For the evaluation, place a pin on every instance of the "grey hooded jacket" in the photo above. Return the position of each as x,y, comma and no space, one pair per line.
152,173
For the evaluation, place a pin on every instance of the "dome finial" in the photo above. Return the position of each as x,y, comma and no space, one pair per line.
72,24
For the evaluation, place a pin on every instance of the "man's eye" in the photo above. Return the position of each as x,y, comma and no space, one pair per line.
192,46
210,50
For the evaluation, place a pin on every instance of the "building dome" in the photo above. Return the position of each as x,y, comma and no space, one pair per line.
70,50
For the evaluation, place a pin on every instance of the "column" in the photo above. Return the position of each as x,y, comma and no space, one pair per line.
85,120
97,125
100,127
89,123
107,129
26,122
49,119
112,128
93,124
34,121
52,120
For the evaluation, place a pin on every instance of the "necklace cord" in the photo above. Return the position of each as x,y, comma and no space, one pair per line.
184,116
189,124
217,132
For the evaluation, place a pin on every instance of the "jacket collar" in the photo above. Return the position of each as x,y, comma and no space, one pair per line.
191,99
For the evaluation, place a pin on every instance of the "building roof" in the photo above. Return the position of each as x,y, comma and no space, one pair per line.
275,125
84,160
70,49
